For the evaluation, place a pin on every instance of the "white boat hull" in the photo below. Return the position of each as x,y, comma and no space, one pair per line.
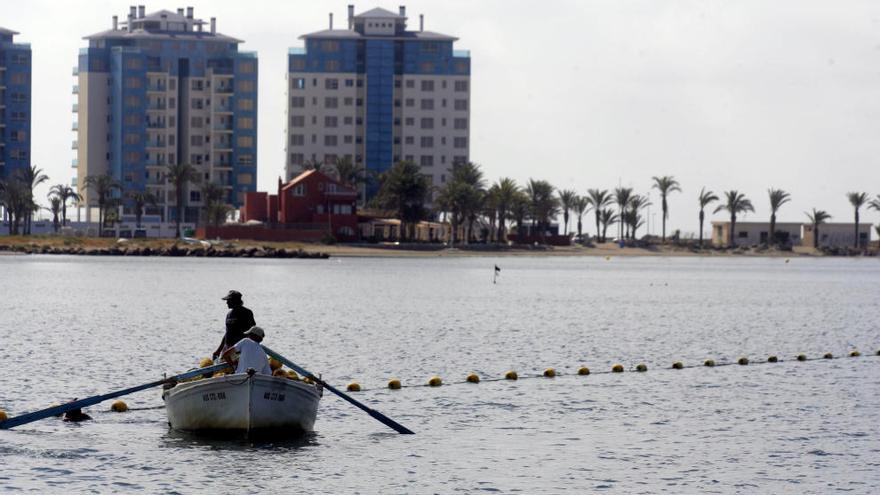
242,403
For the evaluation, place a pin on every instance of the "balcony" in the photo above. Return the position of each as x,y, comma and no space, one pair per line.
156,105
461,53
75,107
74,163
74,145
223,127
75,71
155,125
155,162
76,89
155,143
222,145
74,126
224,89
222,108
156,88
73,182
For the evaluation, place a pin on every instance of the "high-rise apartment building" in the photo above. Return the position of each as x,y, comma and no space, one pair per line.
15,104
167,88
378,94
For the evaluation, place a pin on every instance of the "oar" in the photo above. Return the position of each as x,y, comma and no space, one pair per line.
90,401
394,425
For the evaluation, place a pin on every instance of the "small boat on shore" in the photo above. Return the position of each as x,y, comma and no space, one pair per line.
249,404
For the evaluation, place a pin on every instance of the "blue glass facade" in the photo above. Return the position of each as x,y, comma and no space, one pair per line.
380,105
15,104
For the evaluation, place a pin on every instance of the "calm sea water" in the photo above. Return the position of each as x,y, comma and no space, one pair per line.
75,327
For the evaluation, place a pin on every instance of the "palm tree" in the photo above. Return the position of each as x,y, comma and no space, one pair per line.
542,203
463,197
506,189
348,173
14,200
607,217
736,202
874,204
582,206
64,193
778,197
30,177
598,199
817,217
519,210
857,200
665,185
141,200
633,217
317,165
55,208
621,197
706,198
180,175
104,186
404,190
567,198
214,205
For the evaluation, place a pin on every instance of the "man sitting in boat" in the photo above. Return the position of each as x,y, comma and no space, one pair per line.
250,353
238,320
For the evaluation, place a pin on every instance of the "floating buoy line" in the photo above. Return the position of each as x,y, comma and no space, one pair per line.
120,406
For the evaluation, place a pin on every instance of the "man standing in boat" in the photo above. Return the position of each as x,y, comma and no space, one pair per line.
238,321
250,353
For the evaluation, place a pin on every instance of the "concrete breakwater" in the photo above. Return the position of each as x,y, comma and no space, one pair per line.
174,250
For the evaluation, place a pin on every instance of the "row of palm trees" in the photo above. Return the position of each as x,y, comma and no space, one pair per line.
17,198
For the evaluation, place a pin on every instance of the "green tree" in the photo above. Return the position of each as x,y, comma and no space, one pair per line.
634,219
55,208
735,203
180,175
581,207
141,199
817,218
665,185
104,186
214,207
857,200
778,197
30,178
348,173
463,197
599,199
506,189
404,191
606,217
519,211
567,199
621,197
706,198
543,205
64,193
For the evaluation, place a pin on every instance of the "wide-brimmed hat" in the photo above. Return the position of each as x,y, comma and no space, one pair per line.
233,294
257,331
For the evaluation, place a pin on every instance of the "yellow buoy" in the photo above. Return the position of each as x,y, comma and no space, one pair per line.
608,258
511,375
772,359
435,381
641,367
677,365
279,372
617,368
394,384
274,364
353,387
743,361
550,372
3,416
292,375
801,357
828,355
709,363
205,362
473,378
119,406
855,354
583,370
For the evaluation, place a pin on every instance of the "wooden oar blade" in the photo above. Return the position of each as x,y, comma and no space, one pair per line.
399,428
23,419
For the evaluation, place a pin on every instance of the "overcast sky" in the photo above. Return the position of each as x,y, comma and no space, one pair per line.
723,94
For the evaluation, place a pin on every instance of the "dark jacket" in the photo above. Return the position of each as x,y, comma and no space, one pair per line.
238,321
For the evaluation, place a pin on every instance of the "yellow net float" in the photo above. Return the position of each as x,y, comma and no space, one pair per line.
473,378
583,371
353,387
801,357
511,375
641,367
743,361
435,381
279,372
828,355
550,373
119,406
3,415
855,354
772,359
709,363
394,384
274,364
205,362
677,365
292,375
617,368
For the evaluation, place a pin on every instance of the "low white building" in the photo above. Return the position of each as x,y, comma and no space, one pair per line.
756,233
838,235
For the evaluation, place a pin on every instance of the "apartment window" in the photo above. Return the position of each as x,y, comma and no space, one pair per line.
443,84
196,140
396,141
459,142
297,139
196,122
245,86
299,64
197,103
410,121
298,101
461,86
427,85
347,139
426,142
245,142
397,103
132,138
427,104
197,85
426,160
245,104
132,101
397,121
331,102
297,121
360,102
460,124
427,123
329,46
461,104
246,67
408,158
427,67
459,159
330,140
172,84
430,47
331,83
245,123
410,102
132,119
195,159
298,190
330,121
347,120
331,65
360,83
349,83
410,83
358,140
195,196
132,157
172,103
348,101
297,158
133,63
409,140
298,83
133,82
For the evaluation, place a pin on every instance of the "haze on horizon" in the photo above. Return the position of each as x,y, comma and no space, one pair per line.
585,94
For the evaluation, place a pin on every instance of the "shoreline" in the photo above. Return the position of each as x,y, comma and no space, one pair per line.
81,246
